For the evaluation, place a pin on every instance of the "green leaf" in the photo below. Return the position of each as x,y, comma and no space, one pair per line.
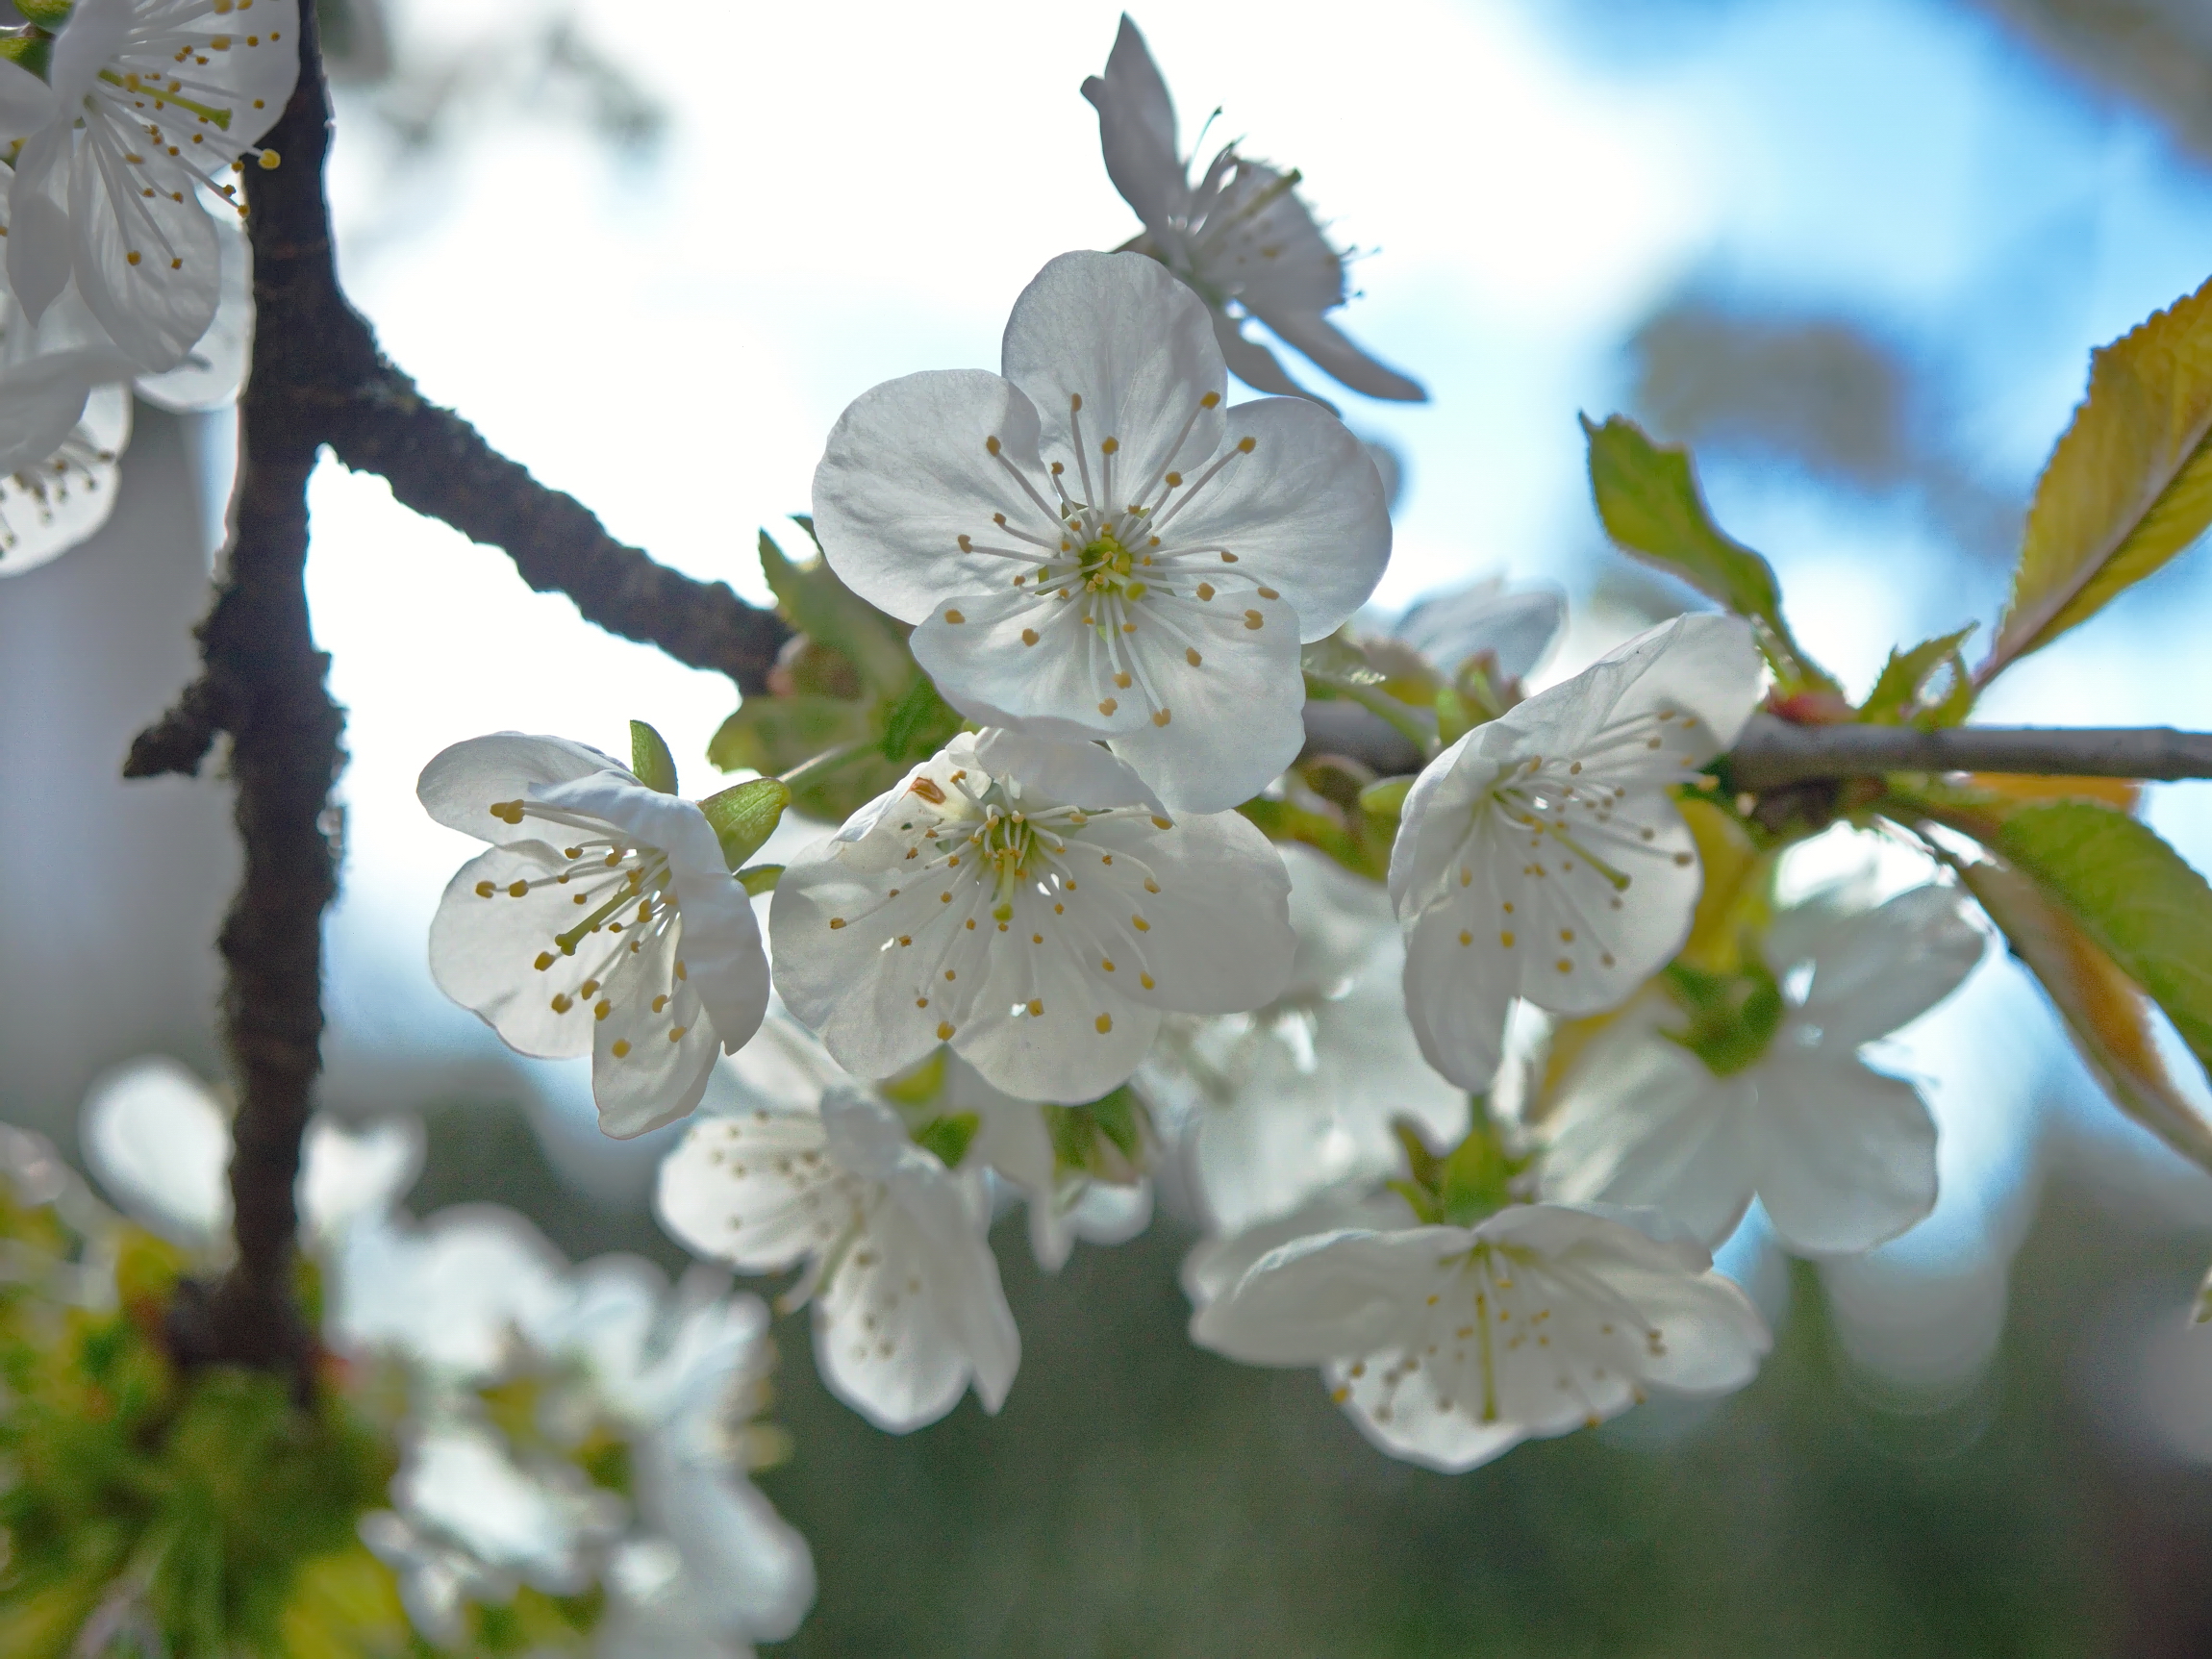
820,605
2128,487
1897,694
744,816
918,724
2131,893
651,760
1648,500
760,878
2106,1014
947,1138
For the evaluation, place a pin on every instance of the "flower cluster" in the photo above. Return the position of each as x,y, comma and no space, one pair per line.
126,267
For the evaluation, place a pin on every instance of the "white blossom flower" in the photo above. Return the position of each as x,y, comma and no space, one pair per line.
1095,547
1026,901
1778,1103
1540,856
1277,1104
604,920
1240,237
786,1070
908,1306
150,101
1449,1346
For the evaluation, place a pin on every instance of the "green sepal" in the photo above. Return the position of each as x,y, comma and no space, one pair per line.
1464,1186
949,1137
46,14
1733,1016
29,48
1110,1139
759,878
744,816
1385,797
651,760
919,1084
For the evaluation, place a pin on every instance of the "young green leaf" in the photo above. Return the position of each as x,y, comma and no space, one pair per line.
1897,694
2106,1014
744,816
1648,500
820,605
651,760
2128,487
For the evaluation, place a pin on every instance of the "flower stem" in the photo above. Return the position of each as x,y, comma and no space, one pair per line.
828,761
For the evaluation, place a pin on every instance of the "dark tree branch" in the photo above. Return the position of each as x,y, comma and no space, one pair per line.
1774,753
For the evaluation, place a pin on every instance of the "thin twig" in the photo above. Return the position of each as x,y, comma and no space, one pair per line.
1772,753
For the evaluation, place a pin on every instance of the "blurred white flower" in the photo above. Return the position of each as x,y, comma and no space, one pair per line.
1093,546
908,1306
1514,629
1280,1103
1240,237
1449,1346
1540,856
150,101
604,920
1767,1094
1024,899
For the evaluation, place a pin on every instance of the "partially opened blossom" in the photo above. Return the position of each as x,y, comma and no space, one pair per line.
1449,1346
1240,237
1026,901
1277,1104
1542,856
907,1308
150,103
786,1070
1093,546
1762,1092
605,920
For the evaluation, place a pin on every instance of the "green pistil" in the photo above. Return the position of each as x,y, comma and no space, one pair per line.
1733,1016
161,95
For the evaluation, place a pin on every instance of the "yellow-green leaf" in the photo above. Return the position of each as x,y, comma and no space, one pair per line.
2128,487
1897,694
1649,499
2105,1013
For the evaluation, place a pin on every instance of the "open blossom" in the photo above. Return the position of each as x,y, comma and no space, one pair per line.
1279,1103
1026,901
786,1070
1449,1346
1776,1101
1240,237
908,1306
1093,546
603,921
1542,856
149,102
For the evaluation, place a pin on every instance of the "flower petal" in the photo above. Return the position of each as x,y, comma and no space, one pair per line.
485,941
756,1191
1850,1155
653,1054
1253,364
1136,130
161,1145
1518,629
907,474
1303,511
1883,969
462,782
38,234
41,401
148,265
1321,339
28,104
1327,1296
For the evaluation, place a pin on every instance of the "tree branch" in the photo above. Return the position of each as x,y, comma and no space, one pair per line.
1774,753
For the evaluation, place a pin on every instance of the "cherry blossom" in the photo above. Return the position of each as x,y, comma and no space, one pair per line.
1540,856
605,920
1092,547
150,102
1026,901
1766,1094
1240,237
907,1308
1449,1345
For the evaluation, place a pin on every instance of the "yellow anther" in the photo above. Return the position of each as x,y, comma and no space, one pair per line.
485,888
944,1031
1253,619
1036,1007
1246,445
954,617
516,889
676,1033
1160,716
835,922
602,1009
1267,594
1029,636
545,960
621,1048
1205,589
1109,445
1108,706
1191,657
1105,1024
563,1003
1506,940
1122,680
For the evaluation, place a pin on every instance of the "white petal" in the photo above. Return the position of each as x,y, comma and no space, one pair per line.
1303,511
212,373
462,784
1215,1266
654,1052
160,1144
26,102
1137,348
1641,1121
1519,629
1252,362
907,474
1851,1155
1883,969
748,1571
1136,130
784,1069
149,266
1323,1297
757,1190
47,509
486,942
345,1173
447,1296
95,33
42,400
39,238
1325,344
1077,774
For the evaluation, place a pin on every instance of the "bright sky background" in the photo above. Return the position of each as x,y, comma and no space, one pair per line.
854,193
